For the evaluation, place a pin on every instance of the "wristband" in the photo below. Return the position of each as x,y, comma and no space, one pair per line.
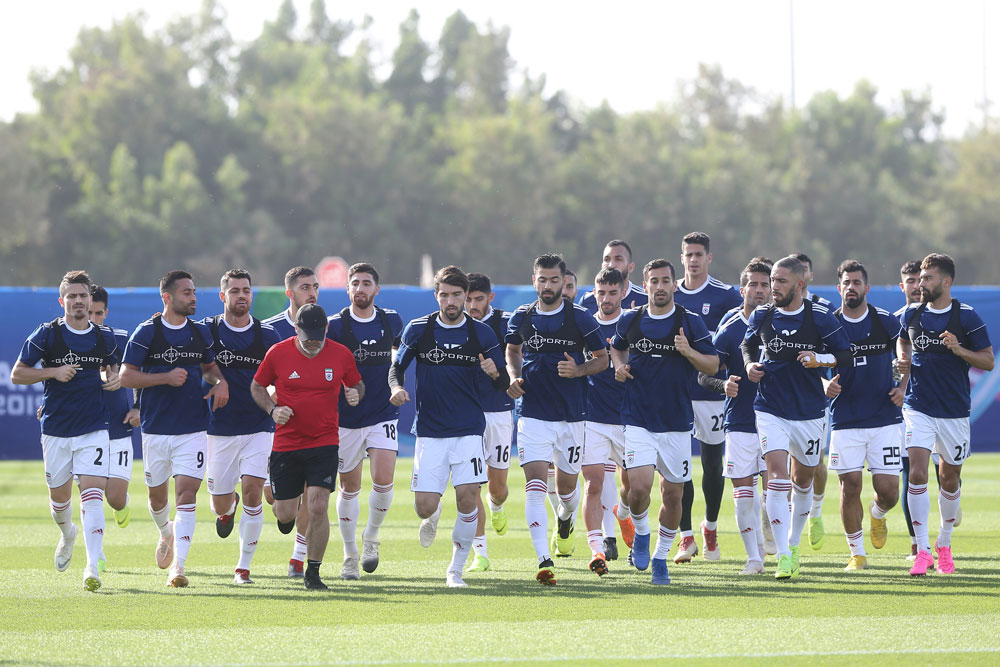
270,413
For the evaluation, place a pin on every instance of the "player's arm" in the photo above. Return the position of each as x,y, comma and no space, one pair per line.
279,413
981,359
514,355
718,385
24,374
134,378
568,368
750,348
354,393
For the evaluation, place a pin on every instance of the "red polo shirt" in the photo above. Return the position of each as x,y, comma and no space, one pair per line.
311,388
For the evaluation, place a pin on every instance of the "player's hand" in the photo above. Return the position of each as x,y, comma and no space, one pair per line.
38,413
950,341
681,343
755,371
568,367
219,393
132,417
516,388
352,396
833,386
896,395
65,373
399,396
488,366
177,377
903,364
808,359
732,386
623,373
114,381
282,414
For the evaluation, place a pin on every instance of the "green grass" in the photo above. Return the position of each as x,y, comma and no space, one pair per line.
404,614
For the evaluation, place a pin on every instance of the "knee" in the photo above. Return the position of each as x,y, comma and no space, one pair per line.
426,506
849,488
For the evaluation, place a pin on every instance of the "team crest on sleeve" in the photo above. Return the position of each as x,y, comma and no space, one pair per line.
328,374
706,308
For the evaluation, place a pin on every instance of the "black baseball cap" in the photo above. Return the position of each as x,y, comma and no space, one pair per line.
311,321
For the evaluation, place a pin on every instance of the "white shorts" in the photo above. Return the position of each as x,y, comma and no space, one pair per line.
560,443
232,456
166,456
902,445
355,443
742,455
802,439
708,417
435,459
498,436
121,459
87,454
603,443
669,453
851,448
947,437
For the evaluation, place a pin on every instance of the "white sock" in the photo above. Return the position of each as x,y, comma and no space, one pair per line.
664,541
778,512
161,519
92,518
856,543
494,507
801,502
62,514
913,539
552,493
379,501
757,512
595,540
948,503
537,517
609,494
817,505
746,520
641,522
348,511
184,520
479,545
711,525
251,523
299,550
877,511
231,510
568,504
920,509
687,533
461,537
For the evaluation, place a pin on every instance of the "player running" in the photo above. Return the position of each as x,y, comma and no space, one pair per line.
369,429
797,337
451,350
945,338
239,434
545,344
74,352
618,255
308,373
865,414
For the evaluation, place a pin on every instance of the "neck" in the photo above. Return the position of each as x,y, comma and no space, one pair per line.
238,321
748,309
942,301
173,318
363,313
546,308
856,312
795,304
660,310
78,323
606,318
694,282
293,310
444,318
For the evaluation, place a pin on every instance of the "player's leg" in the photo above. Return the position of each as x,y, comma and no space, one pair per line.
712,487
499,435
921,435
848,452
954,449
223,471
568,454
119,476
596,452
641,457
187,460
609,498
91,464
382,468
774,436
906,504
156,467
253,471
817,531
807,440
57,455
467,465
430,478
884,463
742,453
674,465
351,454
535,453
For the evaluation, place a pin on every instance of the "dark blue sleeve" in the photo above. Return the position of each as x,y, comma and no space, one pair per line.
396,322
208,354
591,330
491,345
975,330
114,356
753,324
513,336
34,347
138,344
720,343
891,325
904,319
620,339
333,328
701,339
408,345
832,332
270,336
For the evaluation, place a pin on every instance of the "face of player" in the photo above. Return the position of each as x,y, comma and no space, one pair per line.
932,284
660,286
757,291
910,286
310,347
695,259
853,289
617,257
98,312
807,277
609,299
451,302
785,286
181,299
305,290
237,297
362,290
76,301
569,287
478,303
548,285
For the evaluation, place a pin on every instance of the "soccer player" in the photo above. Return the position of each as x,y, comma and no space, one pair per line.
451,350
369,429
604,439
742,447
239,434
945,338
865,414
301,288
569,286
545,344
167,356
702,294
656,350
618,255
308,373
74,352
499,411
797,337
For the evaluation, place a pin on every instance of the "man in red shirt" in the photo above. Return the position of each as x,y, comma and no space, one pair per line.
307,372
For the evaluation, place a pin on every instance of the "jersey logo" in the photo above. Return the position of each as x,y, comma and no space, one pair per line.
923,342
537,342
225,357
293,376
777,344
170,355
706,308
328,374
646,346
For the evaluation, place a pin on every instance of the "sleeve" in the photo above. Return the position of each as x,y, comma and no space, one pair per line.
591,329
397,328
407,346
333,328
270,336
208,354
265,375
138,345
352,375
721,348
832,332
701,339
513,336
903,319
34,347
717,385
114,355
620,340
891,325
750,347
975,330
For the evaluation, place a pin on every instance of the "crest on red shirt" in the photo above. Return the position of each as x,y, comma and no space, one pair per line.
328,373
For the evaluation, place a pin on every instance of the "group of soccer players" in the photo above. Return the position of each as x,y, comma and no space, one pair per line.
614,387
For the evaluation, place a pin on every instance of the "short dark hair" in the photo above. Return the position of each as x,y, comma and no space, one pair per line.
614,243
700,238
74,278
852,266
451,275
609,277
362,267
804,258
910,267
658,264
234,274
549,261
99,294
763,260
295,274
754,266
167,281
571,273
792,263
939,261
479,282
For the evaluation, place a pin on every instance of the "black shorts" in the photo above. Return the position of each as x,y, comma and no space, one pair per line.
290,471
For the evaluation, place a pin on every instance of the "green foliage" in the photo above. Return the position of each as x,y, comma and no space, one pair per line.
155,149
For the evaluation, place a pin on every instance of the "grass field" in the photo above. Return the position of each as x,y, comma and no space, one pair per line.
403,613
